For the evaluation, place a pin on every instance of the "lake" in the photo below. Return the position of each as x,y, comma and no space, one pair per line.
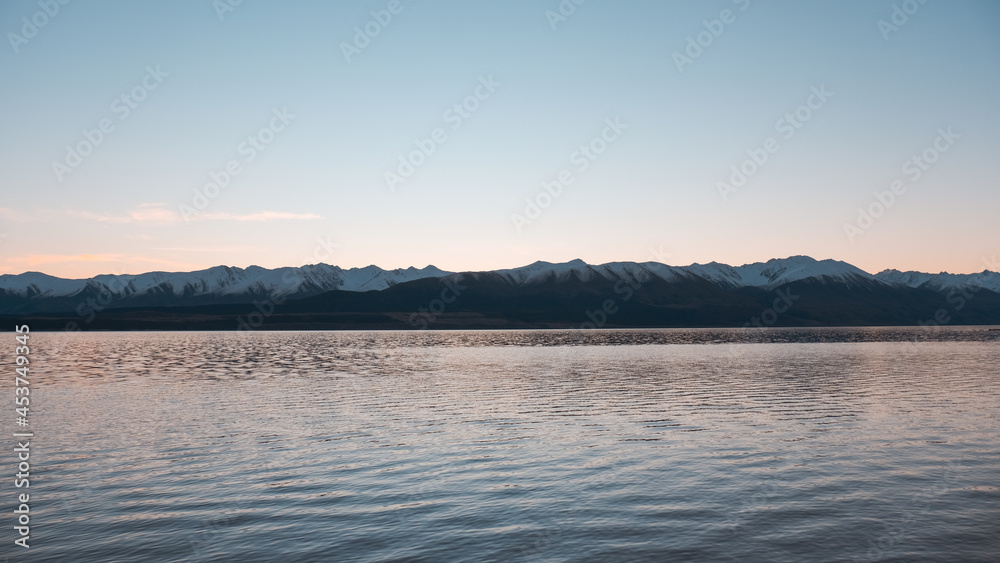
611,445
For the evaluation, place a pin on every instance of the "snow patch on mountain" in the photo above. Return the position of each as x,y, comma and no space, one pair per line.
779,271
540,272
942,281
770,274
40,285
220,281
224,282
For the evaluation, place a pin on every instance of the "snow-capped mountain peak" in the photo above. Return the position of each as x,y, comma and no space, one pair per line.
942,281
225,284
219,281
778,271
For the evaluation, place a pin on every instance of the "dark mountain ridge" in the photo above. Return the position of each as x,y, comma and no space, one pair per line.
797,291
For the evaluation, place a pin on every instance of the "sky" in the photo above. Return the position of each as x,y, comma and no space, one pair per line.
471,135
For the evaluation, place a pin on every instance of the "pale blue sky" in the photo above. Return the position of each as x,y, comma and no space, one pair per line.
323,176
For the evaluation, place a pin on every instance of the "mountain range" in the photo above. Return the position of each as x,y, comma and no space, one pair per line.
795,291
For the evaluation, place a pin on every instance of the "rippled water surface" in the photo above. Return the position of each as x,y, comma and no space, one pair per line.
652,445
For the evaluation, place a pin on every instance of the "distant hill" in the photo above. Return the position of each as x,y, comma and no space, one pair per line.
795,291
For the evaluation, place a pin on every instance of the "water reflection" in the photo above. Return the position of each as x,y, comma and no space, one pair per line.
696,445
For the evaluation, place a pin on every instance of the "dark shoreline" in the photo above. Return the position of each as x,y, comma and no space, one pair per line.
146,320
488,304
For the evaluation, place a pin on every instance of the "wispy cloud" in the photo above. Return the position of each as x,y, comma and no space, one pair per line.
160,213
218,249
9,214
261,216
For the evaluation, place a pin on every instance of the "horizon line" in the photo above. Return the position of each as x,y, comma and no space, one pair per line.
458,271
